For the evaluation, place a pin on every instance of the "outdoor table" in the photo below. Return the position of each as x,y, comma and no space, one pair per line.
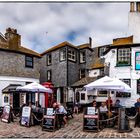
59,120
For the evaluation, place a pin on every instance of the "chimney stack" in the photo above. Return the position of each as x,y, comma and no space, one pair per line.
90,42
132,6
13,38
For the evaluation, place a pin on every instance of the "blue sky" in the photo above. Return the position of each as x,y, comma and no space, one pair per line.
43,25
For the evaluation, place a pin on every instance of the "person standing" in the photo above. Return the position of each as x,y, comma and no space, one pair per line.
76,107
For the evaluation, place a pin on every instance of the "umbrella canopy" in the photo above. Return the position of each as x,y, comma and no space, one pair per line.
34,87
107,83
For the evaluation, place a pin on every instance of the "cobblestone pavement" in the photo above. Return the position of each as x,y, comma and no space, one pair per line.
73,130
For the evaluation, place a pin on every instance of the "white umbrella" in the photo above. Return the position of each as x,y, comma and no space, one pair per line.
34,87
107,83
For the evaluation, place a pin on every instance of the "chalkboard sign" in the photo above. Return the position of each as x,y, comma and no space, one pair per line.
26,116
6,114
48,122
91,119
123,122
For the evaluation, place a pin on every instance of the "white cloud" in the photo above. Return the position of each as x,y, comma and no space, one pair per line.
101,21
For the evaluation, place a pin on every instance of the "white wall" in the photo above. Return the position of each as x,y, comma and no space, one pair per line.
94,73
127,72
6,80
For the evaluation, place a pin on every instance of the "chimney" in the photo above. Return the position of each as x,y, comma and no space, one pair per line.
90,42
13,38
138,6
132,6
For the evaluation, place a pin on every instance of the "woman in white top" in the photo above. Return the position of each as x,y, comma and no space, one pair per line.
103,107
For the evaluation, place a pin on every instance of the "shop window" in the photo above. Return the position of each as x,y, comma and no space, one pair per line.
49,59
123,94
137,60
29,61
82,56
138,86
72,55
102,93
82,96
124,57
6,99
63,54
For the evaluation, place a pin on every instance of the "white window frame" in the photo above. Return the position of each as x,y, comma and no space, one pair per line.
49,59
81,73
72,55
101,51
124,55
82,56
63,54
49,75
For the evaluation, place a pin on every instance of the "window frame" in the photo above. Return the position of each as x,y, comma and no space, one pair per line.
82,74
124,62
50,75
99,51
63,50
26,61
49,58
70,54
83,57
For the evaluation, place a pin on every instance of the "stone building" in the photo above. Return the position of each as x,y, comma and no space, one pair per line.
63,65
18,66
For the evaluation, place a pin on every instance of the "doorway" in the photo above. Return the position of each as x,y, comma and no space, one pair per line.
16,100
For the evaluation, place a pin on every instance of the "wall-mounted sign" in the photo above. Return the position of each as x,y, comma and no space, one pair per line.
137,60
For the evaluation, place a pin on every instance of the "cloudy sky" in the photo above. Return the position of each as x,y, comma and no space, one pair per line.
43,25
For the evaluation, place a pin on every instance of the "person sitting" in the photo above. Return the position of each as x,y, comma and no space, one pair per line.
94,104
62,110
117,104
103,107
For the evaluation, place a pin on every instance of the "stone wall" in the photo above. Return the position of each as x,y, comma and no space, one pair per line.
13,64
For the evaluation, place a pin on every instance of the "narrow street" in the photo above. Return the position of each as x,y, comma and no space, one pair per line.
73,130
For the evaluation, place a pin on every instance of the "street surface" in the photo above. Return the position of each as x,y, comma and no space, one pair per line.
73,130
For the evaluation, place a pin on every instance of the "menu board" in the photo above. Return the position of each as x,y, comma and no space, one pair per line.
6,114
26,115
90,120
48,122
123,122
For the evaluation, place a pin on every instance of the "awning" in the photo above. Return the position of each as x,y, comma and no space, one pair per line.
10,88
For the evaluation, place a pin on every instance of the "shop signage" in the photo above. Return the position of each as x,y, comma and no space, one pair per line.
26,115
49,119
137,61
90,120
6,114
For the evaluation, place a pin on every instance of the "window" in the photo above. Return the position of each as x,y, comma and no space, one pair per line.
124,56
29,61
71,55
102,93
49,59
102,71
138,86
82,56
5,99
124,94
82,96
49,75
82,73
101,51
63,54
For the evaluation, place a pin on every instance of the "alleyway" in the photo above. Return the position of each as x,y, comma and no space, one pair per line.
73,130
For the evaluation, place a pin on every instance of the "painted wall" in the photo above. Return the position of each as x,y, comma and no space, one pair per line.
6,80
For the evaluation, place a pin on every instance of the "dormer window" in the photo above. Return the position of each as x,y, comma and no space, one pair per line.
82,56
29,61
72,55
49,59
